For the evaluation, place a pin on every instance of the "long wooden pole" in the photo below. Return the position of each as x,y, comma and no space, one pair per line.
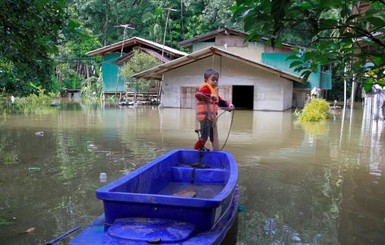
215,134
215,130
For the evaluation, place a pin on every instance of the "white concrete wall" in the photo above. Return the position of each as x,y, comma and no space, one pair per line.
190,75
252,52
270,91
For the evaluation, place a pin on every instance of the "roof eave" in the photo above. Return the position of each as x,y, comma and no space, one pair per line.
157,72
209,35
133,41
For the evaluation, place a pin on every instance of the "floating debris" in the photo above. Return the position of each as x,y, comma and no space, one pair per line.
241,208
40,133
29,230
103,177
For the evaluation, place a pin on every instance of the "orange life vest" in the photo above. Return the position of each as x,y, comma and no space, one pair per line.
210,108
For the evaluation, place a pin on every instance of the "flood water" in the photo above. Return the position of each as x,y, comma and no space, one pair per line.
314,183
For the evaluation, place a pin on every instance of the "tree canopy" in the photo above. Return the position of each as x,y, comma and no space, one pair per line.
36,37
43,42
346,33
29,34
140,61
185,19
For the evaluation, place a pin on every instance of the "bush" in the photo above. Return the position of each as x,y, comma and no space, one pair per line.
316,110
27,104
92,90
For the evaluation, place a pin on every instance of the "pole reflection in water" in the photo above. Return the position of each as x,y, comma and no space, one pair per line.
362,209
300,183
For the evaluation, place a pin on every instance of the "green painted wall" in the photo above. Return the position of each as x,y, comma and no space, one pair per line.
278,60
327,79
110,73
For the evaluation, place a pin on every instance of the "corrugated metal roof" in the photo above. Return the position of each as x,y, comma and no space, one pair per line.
158,71
226,31
155,54
210,35
126,57
134,41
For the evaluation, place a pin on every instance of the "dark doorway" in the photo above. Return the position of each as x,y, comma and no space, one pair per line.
243,97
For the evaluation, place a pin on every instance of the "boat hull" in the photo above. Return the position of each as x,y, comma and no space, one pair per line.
182,197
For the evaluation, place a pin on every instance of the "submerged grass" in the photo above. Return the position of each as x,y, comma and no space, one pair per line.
27,104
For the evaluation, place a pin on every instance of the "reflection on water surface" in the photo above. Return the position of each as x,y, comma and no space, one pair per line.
315,183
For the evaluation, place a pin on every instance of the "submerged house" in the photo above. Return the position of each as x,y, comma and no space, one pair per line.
117,54
248,84
253,76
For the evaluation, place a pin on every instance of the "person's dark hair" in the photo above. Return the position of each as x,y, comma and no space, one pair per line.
211,72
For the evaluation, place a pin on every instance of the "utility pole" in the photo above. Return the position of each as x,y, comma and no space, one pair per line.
125,26
165,28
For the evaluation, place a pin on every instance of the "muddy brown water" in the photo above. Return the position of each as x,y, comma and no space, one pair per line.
314,183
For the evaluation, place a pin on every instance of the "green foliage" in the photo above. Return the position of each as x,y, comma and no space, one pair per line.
72,64
316,110
5,101
140,61
337,91
217,13
47,46
333,32
7,77
27,43
191,18
67,77
33,101
373,77
91,90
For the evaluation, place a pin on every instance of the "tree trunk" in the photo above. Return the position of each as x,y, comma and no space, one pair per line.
88,71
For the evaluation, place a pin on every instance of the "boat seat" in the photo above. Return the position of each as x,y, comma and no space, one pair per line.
200,176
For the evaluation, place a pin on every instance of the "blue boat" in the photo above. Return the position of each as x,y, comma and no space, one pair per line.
183,197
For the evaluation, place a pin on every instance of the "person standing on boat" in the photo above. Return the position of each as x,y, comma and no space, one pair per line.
208,102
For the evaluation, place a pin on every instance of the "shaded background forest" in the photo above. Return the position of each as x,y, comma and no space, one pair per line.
43,43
